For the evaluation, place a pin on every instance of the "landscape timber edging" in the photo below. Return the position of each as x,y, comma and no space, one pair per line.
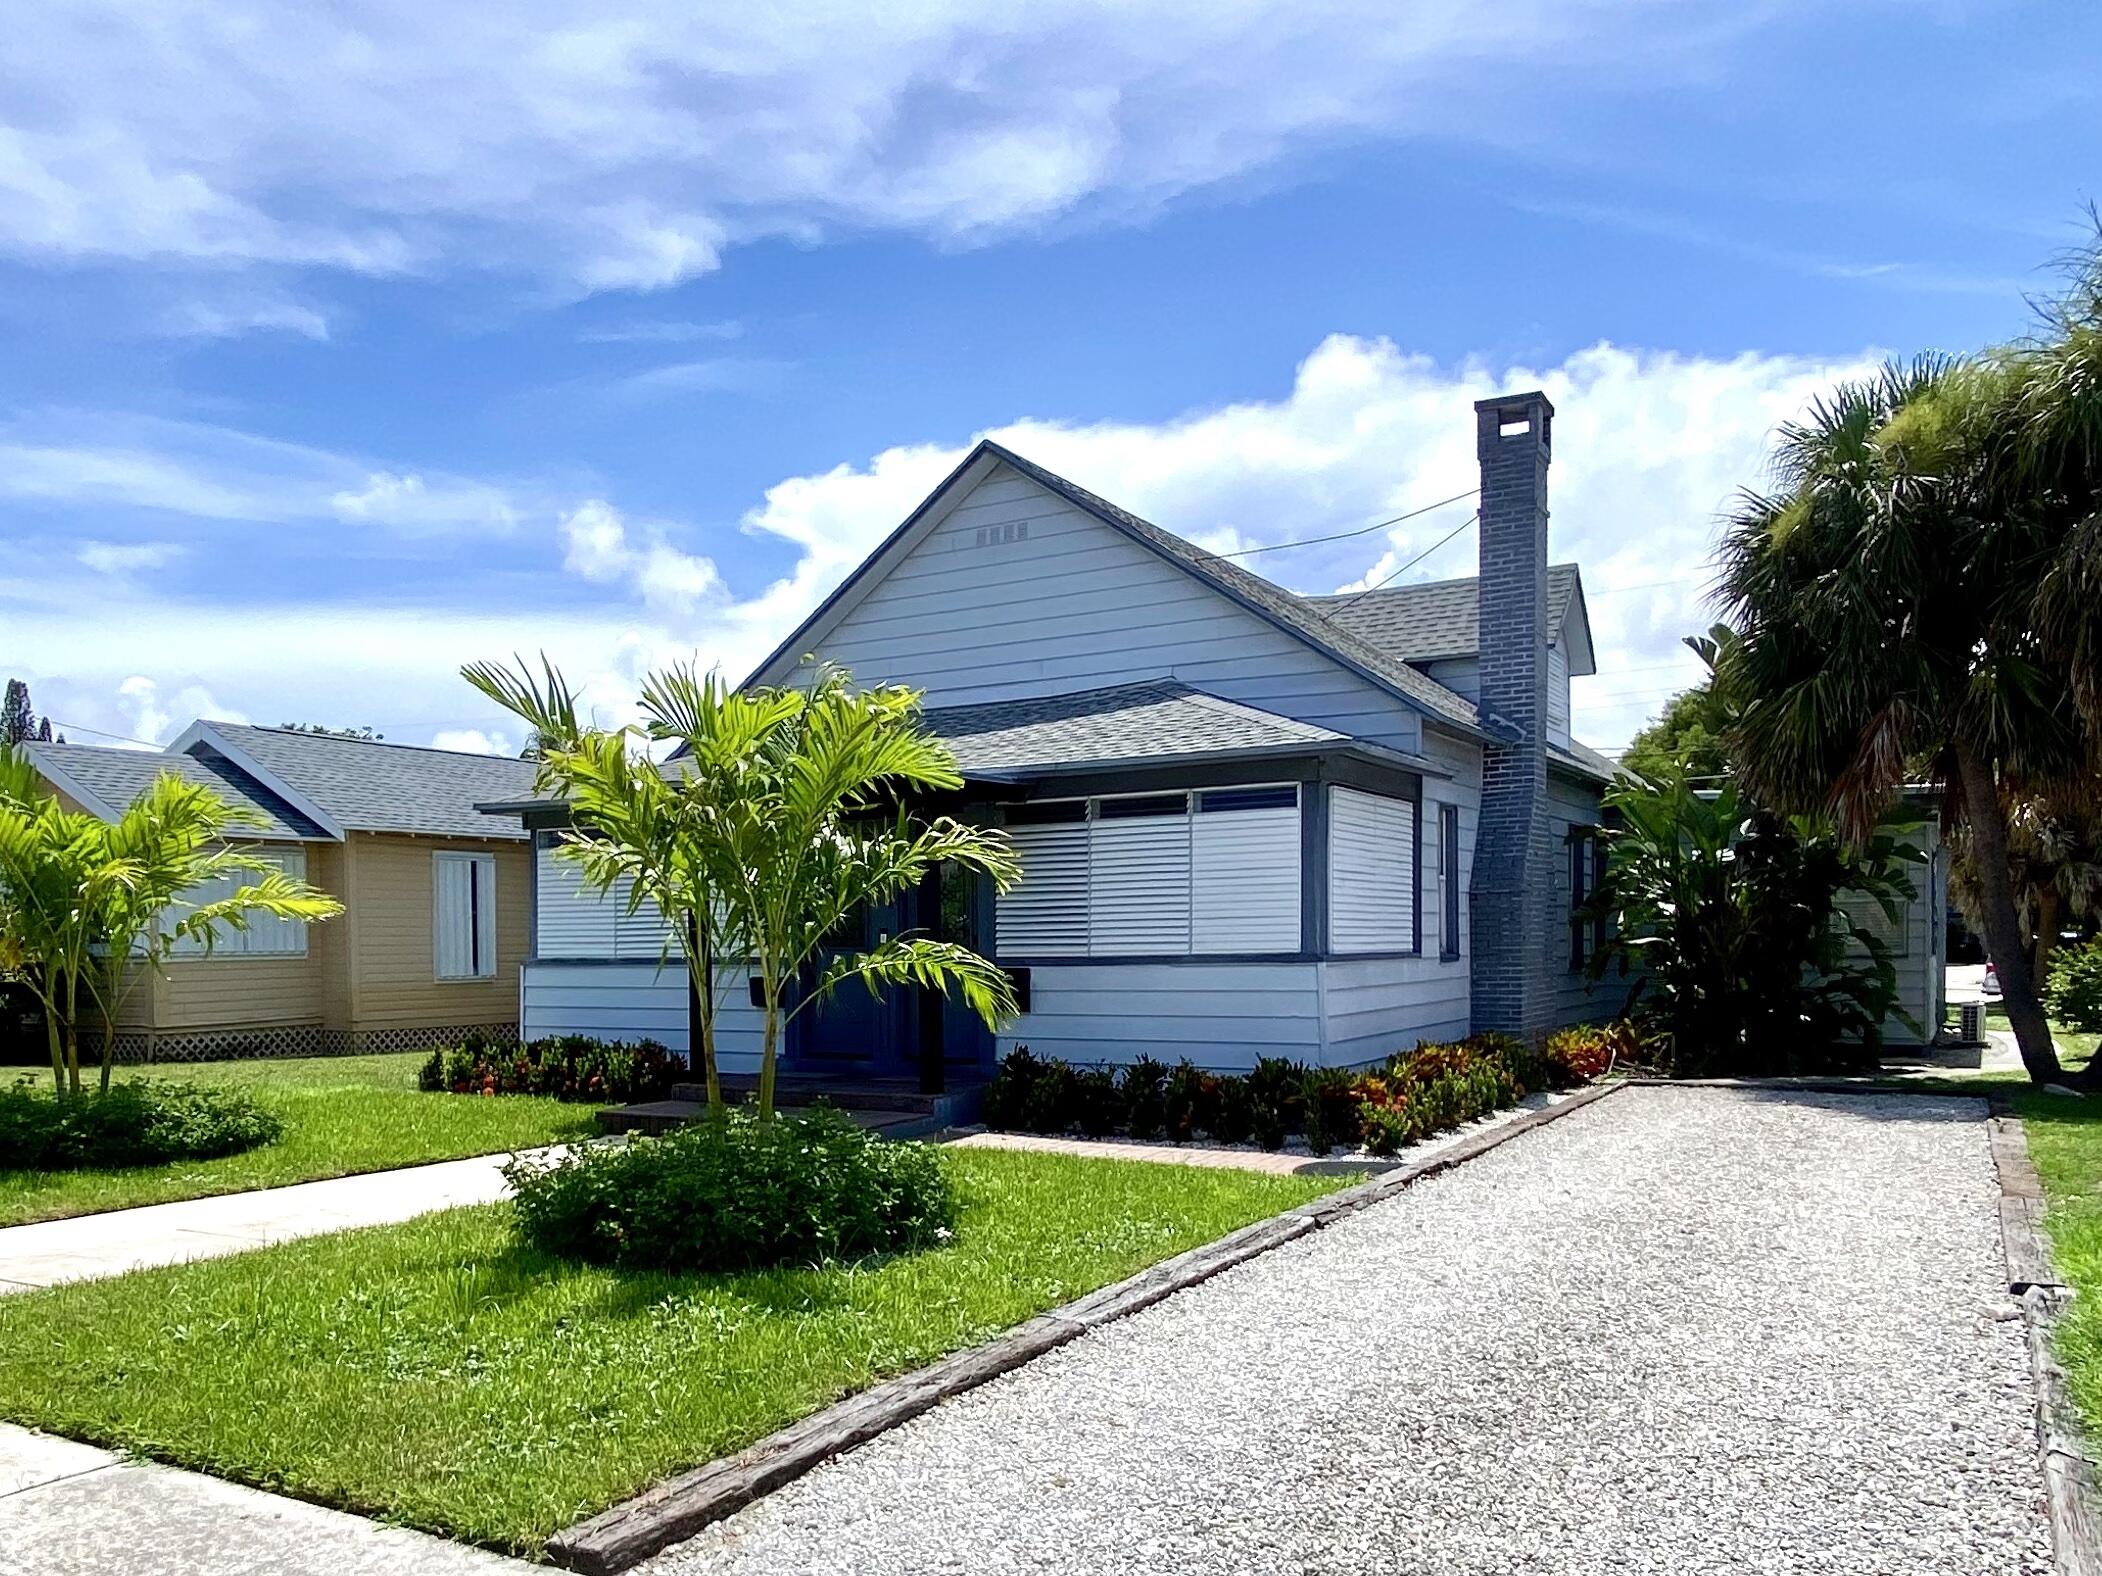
2072,1502
674,1510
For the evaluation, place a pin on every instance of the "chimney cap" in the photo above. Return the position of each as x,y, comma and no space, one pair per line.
1516,403
1508,417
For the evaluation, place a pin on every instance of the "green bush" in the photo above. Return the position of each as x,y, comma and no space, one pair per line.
134,1124
1143,1085
571,1067
2073,988
738,1194
1097,1106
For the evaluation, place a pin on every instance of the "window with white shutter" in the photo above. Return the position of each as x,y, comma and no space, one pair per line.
464,916
266,935
1139,876
1046,913
1245,857
1371,872
1215,873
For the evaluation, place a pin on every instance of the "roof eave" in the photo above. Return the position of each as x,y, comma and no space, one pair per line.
1359,749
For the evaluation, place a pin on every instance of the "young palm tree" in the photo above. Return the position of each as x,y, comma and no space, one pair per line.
782,814
95,906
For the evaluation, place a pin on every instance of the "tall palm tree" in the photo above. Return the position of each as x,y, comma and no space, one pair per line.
781,815
1910,596
88,906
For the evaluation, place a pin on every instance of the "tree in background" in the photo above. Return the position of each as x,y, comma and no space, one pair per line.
784,813
370,735
2054,858
1690,736
18,719
1921,589
93,906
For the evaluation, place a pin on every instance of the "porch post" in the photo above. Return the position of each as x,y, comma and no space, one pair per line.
934,1065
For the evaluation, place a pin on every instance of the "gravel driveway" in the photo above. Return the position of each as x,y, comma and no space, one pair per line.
1682,1330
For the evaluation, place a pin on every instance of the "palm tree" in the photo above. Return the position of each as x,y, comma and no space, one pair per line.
1918,591
781,814
95,906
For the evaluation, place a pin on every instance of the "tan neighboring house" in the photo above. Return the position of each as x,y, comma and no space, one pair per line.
437,895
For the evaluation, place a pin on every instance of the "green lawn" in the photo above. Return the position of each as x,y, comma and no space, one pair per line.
436,1374
343,1114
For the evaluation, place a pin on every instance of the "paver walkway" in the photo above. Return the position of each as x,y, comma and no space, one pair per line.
71,1510
1682,1330
88,1246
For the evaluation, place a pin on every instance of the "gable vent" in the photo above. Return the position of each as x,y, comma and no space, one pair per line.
1002,535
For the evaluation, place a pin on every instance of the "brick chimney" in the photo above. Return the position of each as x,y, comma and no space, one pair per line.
1513,880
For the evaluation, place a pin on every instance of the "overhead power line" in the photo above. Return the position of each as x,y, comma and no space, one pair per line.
1363,530
102,733
1411,564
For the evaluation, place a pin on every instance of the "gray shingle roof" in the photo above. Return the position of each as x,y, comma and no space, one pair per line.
1297,613
1581,757
1439,618
1154,719
367,786
114,778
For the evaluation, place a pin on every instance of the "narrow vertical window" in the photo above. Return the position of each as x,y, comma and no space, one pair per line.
1450,878
463,916
1583,930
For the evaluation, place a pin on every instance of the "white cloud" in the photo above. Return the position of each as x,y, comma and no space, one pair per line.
125,558
227,318
661,331
66,460
627,147
473,741
598,546
154,714
409,503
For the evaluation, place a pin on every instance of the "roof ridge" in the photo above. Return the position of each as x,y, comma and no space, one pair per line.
349,738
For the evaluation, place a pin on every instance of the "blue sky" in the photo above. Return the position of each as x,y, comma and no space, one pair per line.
338,348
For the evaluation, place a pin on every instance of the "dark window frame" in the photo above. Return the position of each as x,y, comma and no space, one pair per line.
1449,874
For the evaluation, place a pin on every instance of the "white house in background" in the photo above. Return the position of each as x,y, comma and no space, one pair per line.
1250,822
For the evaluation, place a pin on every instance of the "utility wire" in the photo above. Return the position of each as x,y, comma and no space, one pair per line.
1363,530
1405,568
102,733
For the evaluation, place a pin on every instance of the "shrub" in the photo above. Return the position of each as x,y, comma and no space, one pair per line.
1579,1054
737,1194
1233,1121
134,1124
1007,1096
571,1067
1050,1102
2073,988
1097,1106
1189,1100
1329,1108
1143,1085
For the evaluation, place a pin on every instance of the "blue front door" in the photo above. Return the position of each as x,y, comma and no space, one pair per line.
852,1029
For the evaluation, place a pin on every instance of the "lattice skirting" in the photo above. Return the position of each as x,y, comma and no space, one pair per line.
304,1039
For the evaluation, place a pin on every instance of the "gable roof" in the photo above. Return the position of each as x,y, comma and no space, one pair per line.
104,781
1272,603
367,785
1441,618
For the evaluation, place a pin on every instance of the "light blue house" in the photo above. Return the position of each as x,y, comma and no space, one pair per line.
1251,823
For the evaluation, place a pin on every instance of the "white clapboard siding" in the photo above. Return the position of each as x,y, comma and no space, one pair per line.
1139,885
464,915
1371,872
1046,913
1245,880
568,921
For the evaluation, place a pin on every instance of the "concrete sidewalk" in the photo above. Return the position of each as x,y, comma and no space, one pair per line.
87,1247
71,1510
